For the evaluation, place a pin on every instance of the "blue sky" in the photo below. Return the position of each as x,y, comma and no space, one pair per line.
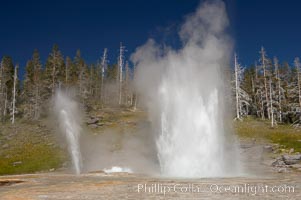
276,25
93,25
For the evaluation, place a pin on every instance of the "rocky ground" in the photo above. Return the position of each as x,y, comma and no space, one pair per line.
282,162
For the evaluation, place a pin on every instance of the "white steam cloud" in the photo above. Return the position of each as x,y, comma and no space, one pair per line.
185,91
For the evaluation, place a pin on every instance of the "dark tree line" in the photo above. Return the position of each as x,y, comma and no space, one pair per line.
98,84
267,90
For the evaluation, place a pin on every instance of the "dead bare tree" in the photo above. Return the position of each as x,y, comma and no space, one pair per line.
120,74
104,63
271,103
241,96
264,61
14,95
237,71
279,88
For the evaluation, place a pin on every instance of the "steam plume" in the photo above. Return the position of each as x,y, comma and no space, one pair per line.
184,91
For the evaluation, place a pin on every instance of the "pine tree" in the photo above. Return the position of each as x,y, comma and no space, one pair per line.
6,84
83,75
33,87
68,67
127,89
293,93
298,70
72,74
111,85
14,94
54,72
134,95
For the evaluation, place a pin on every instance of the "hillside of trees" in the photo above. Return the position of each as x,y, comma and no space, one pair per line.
97,84
266,90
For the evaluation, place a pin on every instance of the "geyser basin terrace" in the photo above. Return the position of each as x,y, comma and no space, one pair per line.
175,116
102,186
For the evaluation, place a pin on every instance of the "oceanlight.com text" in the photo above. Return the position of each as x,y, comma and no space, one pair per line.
249,189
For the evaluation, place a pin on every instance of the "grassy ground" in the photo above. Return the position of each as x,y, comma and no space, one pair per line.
117,119
283,134
28,147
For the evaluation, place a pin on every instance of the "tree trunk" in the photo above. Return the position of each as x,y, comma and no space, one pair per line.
237,88
271,105
14,95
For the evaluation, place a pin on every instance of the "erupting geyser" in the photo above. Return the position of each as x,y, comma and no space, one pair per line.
186,96
68,115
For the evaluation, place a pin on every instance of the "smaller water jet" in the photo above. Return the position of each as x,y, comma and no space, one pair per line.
67,112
